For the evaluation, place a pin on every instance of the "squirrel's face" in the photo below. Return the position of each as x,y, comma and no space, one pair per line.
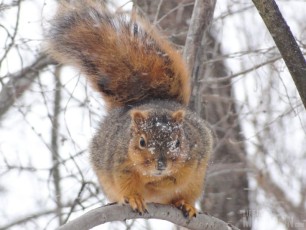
158,146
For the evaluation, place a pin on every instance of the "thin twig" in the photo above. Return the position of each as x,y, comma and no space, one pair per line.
54,145
232,76
14,34
26,219
20,81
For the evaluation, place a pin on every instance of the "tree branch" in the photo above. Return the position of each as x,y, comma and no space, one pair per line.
26,219
285,42
201,19
202,16
56,172
19,82
116,212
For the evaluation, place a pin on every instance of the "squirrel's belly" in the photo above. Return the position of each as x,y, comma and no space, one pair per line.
161,194
161,197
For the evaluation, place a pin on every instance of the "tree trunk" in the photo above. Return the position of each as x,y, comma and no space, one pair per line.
226,194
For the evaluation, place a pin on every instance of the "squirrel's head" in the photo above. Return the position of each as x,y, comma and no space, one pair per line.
158,145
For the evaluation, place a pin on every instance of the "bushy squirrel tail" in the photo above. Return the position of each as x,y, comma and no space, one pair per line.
123,57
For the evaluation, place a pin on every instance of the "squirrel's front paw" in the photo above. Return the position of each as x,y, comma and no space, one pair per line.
188,210
137,203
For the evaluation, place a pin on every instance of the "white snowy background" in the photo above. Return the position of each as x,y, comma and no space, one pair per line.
26,186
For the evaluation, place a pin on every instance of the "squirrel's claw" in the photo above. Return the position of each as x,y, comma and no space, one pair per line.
188,210
137,203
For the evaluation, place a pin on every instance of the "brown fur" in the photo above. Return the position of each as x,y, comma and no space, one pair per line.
150,147
123,57
128,172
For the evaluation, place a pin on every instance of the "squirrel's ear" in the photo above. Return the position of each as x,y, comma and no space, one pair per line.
178,115
139,116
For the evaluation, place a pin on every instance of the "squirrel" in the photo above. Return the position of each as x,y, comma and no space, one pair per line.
150,147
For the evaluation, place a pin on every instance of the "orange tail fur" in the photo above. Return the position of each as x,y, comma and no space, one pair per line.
123,57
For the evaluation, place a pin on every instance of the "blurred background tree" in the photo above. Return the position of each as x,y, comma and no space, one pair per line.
241,86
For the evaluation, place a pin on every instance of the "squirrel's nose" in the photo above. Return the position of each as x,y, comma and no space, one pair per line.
161,164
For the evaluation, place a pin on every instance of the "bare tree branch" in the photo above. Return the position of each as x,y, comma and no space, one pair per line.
13,37
19,82
56,173
26,219
266,183
285,42
243,72
201,19
116,212
225,196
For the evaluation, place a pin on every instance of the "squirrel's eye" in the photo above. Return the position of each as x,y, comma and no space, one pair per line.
177,143
142,142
